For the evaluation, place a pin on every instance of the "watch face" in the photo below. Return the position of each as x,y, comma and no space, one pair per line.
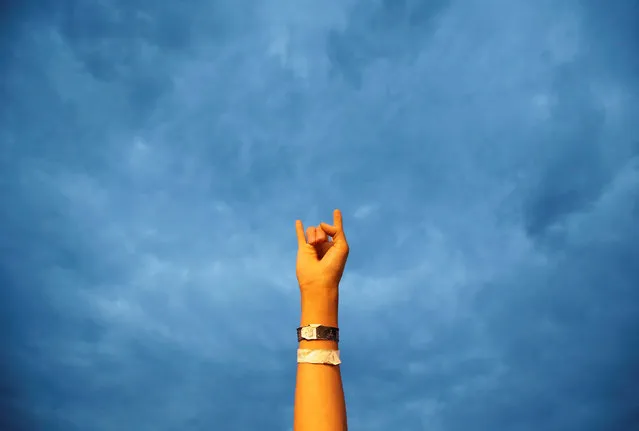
308,332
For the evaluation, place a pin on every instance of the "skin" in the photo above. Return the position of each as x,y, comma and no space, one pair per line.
321,258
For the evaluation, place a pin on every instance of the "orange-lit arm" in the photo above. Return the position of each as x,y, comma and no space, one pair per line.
319,395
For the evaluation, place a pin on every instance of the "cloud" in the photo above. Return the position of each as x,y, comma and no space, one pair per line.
154,160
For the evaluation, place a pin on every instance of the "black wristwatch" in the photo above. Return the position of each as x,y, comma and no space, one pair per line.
317,332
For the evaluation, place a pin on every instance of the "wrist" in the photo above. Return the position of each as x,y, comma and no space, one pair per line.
320,308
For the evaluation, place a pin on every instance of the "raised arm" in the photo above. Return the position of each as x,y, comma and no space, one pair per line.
319,396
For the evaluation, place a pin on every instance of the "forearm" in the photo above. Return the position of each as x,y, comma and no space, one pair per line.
319,396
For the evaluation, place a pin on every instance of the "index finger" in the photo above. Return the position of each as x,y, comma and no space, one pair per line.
337,220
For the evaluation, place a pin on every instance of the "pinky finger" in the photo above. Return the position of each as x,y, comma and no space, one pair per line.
299,228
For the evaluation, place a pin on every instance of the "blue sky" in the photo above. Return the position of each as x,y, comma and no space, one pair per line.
485,155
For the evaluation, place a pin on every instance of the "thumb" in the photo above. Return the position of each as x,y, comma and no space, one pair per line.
330,230
336,231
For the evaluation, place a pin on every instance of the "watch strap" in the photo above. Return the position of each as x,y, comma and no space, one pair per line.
317,332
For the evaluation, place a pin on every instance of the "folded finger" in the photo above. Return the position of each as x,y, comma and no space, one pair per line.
310,234
320,235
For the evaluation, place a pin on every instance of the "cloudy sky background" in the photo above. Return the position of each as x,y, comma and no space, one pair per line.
154,157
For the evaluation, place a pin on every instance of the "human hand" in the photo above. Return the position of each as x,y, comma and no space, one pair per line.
320,260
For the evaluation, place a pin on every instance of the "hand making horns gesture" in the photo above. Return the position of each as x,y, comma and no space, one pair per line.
320,259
